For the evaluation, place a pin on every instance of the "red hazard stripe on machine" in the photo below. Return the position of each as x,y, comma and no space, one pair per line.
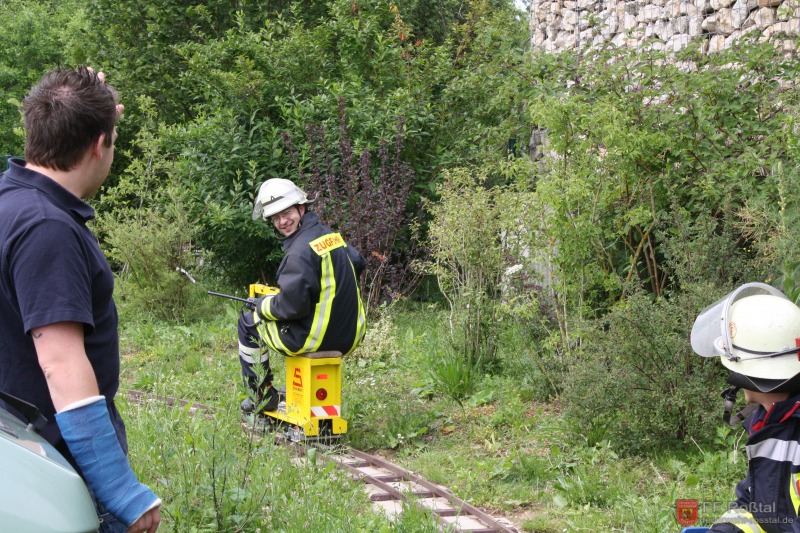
325,410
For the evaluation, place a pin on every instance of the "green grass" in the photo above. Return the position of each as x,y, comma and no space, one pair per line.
504,447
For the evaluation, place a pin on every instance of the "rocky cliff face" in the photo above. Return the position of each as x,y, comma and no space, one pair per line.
560,25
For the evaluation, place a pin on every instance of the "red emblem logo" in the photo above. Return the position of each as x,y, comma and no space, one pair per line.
686,512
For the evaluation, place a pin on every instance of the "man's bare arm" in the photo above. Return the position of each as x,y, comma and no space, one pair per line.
62,356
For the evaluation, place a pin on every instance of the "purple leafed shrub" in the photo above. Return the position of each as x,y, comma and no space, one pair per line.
367,201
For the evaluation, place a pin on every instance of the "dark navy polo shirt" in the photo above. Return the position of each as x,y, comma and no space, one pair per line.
52,270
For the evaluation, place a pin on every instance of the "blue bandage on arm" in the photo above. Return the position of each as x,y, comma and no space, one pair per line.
93,443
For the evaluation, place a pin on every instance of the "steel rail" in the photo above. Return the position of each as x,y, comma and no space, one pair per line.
450,511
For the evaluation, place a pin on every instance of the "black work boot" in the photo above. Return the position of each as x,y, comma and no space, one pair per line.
268,394
246,407
272,398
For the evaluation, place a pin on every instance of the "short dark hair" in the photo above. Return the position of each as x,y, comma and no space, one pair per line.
64,114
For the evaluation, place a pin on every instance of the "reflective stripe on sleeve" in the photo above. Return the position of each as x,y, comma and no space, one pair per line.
266,307
775,449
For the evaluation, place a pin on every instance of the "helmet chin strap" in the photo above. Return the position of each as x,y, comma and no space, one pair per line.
729,395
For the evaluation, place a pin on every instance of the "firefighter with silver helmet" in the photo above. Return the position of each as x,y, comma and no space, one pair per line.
318,306
755,331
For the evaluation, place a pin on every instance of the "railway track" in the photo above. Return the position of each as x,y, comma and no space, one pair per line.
389,486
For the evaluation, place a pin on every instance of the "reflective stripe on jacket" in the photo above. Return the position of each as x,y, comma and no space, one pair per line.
319,306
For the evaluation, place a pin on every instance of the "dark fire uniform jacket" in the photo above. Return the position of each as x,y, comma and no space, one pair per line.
768,499
318,307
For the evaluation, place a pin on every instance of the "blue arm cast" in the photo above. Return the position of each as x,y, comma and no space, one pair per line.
91,439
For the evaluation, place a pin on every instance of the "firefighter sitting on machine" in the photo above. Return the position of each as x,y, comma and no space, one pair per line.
755,331
317,307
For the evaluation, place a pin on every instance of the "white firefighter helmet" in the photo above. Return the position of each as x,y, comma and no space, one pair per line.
276,195
755,330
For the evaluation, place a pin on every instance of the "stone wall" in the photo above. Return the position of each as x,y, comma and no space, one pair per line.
560,25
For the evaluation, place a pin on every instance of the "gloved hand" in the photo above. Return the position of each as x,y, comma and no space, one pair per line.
261,308
251,303
257,304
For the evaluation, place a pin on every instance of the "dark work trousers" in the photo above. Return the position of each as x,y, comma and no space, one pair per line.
252,351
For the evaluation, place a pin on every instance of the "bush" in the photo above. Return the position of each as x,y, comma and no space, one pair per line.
366,199
154,252
467,260
633,138
637,382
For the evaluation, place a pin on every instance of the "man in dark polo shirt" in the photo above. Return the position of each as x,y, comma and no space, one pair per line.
59,346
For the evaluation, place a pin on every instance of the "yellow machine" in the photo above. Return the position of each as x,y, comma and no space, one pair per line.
259,289
313,405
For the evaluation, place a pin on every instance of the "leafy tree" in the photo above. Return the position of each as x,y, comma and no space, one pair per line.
438,20
245,88
332,49
483,102
36,36
137,42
